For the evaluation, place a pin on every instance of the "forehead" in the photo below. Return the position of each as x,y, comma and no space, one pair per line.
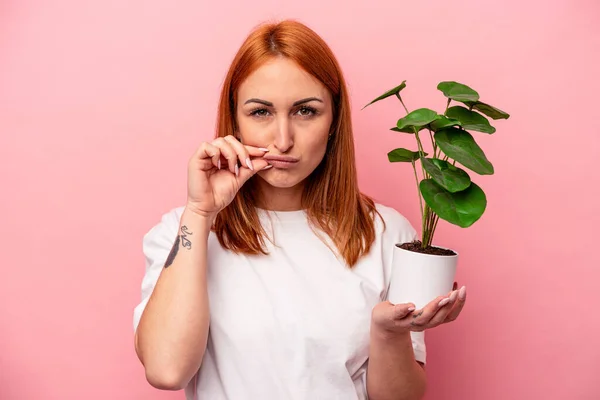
281,80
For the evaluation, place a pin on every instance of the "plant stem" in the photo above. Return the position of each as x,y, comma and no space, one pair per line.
421,151
432,219
425,234
418,189
419,145
433,145
429,218
431,228
437,218
400,98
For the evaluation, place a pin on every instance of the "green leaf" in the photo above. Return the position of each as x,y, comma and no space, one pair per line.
460,146
490,111
470,120
407,129
448,176
458,91
443,122
403,155
417,118
389,93
462,208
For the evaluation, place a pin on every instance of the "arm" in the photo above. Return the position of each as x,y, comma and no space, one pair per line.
393,373
171,337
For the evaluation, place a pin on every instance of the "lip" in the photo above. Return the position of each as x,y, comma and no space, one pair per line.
288,159
281,162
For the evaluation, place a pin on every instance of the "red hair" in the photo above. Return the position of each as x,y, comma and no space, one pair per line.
331,196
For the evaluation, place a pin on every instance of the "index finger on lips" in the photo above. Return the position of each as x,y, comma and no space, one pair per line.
256,151
257,157
250,151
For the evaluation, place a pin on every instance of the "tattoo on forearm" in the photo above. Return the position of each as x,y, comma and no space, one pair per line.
173,253
185,242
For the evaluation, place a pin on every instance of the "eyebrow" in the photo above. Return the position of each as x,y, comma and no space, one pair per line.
297,103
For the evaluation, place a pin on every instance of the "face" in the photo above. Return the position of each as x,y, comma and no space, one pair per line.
285,109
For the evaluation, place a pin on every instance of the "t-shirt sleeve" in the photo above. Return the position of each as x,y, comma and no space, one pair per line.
398,229
156,246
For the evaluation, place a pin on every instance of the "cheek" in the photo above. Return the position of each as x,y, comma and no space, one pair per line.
317,132
313,142
250,131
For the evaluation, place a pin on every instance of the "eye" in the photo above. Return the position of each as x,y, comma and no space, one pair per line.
259,112
306,111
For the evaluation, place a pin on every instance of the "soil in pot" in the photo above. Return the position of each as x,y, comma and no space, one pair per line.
416,247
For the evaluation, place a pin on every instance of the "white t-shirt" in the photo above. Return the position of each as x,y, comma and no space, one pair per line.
290,325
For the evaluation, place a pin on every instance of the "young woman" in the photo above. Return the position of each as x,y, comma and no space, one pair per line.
270,283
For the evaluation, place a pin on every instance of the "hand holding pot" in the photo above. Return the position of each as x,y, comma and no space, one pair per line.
400,318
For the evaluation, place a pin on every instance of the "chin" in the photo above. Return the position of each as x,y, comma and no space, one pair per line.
280,179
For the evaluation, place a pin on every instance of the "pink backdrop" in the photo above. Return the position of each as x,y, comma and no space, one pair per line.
102,103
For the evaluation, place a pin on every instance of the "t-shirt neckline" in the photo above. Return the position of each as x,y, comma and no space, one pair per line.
295,215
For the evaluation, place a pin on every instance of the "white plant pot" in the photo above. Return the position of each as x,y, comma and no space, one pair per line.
419,278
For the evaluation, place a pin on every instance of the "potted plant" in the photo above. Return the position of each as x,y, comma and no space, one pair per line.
421,270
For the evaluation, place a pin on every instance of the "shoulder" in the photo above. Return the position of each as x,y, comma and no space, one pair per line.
390,221
392,217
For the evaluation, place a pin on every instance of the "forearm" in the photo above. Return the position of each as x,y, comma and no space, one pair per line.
393,373
173,330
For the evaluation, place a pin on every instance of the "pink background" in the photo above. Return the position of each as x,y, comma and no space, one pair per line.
102,103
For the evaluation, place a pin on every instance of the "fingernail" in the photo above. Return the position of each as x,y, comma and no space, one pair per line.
249,164
263,149
453,295
237,170
444,302
462,293
267,167
219,164
411,309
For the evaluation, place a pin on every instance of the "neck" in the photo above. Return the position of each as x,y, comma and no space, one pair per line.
279,199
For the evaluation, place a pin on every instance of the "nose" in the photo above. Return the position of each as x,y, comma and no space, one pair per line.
284,137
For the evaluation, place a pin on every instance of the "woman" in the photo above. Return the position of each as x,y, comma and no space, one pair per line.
270,283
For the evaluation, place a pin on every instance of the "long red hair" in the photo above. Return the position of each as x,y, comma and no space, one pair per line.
331,196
